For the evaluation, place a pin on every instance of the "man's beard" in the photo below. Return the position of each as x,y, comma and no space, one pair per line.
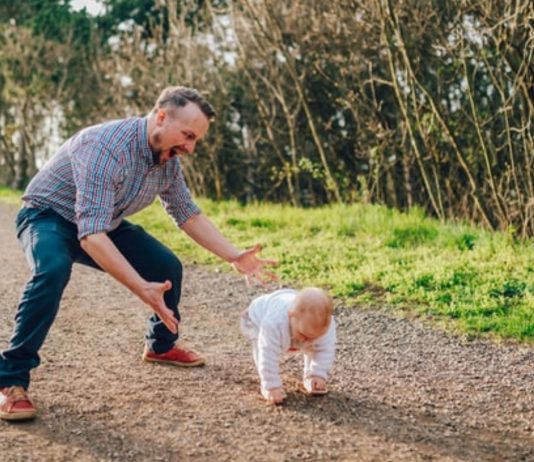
156,155
156,148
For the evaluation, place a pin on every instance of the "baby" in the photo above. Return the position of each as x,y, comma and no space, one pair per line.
288,320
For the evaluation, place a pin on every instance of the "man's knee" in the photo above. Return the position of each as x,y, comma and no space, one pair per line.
43,291
54,273
172,267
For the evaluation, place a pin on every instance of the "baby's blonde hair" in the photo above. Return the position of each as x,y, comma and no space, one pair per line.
313,308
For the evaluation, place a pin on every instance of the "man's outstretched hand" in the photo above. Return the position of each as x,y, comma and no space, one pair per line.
152,295
103,251
253,267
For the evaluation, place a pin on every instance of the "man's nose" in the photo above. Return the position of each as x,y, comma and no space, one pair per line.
190,147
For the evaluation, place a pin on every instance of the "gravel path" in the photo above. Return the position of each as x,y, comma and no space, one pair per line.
399,390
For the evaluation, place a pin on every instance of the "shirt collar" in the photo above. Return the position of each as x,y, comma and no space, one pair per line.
142,133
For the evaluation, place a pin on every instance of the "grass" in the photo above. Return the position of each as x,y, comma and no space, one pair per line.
461,277
9,196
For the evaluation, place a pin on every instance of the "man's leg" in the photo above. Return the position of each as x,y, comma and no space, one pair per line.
155,263
45,238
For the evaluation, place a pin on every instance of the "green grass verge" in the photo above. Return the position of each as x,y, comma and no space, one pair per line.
9,196
459,276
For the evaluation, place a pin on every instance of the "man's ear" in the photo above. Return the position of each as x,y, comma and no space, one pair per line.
160,116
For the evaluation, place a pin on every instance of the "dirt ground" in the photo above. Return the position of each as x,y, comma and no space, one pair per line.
400,391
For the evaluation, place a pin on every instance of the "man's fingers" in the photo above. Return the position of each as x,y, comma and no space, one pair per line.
261,281
167,317
171,323
265,277
271,276
270,262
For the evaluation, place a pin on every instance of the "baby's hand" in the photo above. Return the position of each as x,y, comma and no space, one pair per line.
274,395
315,385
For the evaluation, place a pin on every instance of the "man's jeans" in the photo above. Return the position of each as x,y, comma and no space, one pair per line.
51,247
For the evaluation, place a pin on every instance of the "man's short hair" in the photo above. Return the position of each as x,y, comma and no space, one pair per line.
180,96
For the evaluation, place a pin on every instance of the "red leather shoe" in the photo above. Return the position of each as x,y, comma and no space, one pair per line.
175,356
15,404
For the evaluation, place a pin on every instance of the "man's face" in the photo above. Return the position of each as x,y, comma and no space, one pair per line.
177,132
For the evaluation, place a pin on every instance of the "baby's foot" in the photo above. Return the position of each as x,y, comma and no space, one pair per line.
315,386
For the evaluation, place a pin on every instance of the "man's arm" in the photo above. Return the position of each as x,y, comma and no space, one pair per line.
104,252
204,232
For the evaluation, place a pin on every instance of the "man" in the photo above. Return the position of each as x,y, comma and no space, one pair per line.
74,211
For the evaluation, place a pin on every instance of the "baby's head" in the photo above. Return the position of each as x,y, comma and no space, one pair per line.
310,315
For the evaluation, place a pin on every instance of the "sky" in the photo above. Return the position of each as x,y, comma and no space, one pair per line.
92,6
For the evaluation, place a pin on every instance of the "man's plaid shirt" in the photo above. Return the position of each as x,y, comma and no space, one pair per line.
105,173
